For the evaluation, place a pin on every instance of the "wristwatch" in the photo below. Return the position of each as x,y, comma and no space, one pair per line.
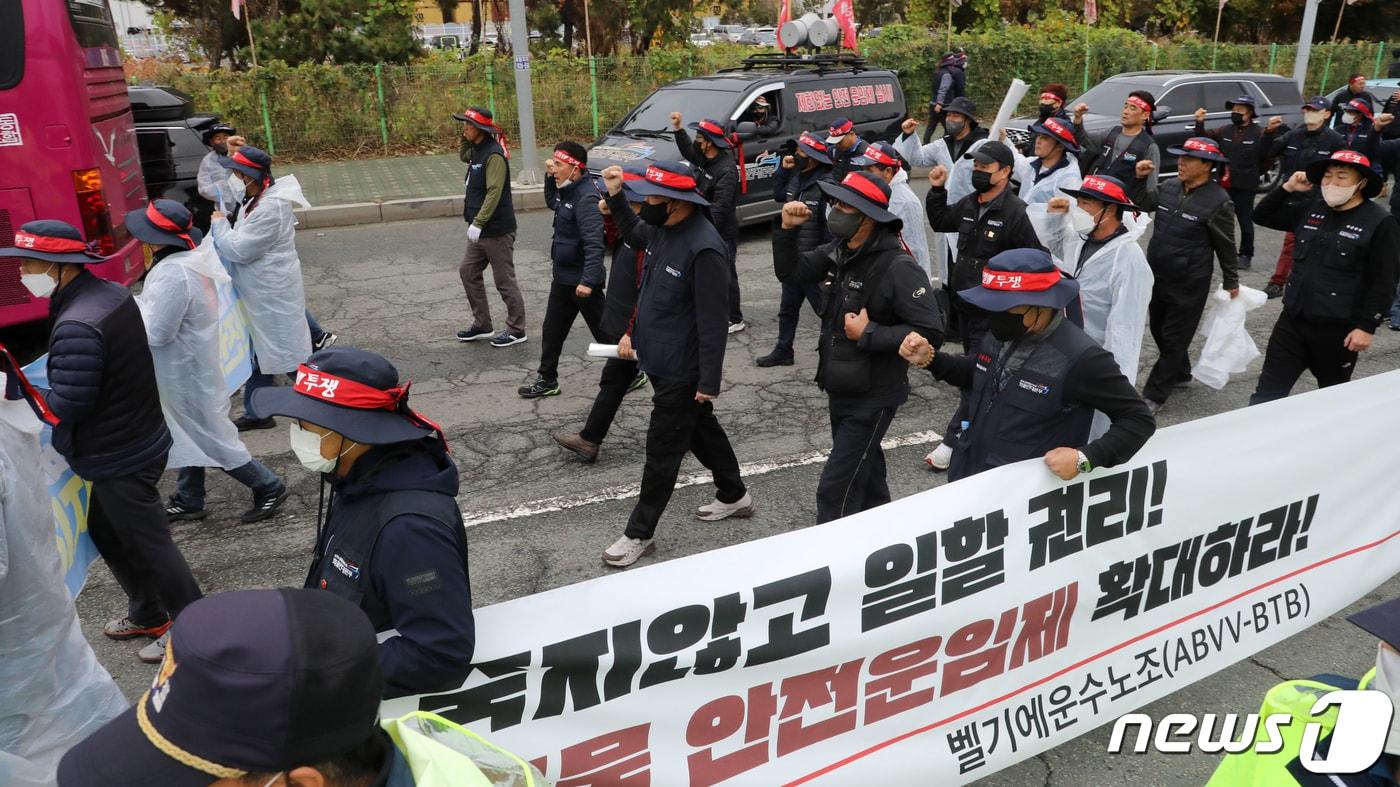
1084,464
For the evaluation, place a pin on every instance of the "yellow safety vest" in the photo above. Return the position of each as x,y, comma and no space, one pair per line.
441,753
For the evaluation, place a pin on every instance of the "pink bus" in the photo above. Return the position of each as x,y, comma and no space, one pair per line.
67,142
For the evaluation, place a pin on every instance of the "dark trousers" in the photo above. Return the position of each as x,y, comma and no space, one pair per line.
790,310
1284,268
736,314
853,479
680,424
617,377
1173,316
1244,214
973,324
1297,345
258,379
559,314
126,520
934,118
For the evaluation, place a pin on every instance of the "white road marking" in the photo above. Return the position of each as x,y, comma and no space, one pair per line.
565,503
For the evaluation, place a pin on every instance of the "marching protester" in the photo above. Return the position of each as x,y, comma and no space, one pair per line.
180,308
883,161
490,216
1346,258
392,539
950,152
1247,148
53,691
1055,166
719,176
988,221
1117,151
258,244
1095,241
1361,127
1051,104
576,253
212,180
678,341
1296,149
279,687
620,376
844,145
798,178
876,295
1195,223
949,82
1355,89
102,388
1036,378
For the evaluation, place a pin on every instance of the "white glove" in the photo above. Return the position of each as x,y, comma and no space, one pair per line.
473,233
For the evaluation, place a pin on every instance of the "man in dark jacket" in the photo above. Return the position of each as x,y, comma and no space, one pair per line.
1247,148
1195,223
1356,88
678,340
577,254
799,178
102,388
843,145
392,541
1361,127
490,216
1118,151
1050,105
874,295
721,181
949,82
1346,259
1036,379
1295,149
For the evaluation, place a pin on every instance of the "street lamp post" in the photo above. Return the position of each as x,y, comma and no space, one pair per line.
1305,37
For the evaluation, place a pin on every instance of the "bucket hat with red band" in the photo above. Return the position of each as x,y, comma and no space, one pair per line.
1362,106
164,222
714,132
479,117
815,147
1203,148
1348,158
881,153
1057,130
671,179
352,392
1021,277
866,193
53,241
1104,188
251,161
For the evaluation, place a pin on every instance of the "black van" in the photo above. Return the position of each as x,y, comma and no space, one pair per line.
805,92
169,136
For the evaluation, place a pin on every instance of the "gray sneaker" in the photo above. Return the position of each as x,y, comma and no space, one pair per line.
155,651
626,551
716,510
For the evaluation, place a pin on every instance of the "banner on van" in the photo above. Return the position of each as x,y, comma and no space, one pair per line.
822,100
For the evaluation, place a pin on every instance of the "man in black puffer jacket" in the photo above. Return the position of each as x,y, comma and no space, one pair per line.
874,295
111,430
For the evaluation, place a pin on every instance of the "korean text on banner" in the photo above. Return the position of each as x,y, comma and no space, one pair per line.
944,636
70,496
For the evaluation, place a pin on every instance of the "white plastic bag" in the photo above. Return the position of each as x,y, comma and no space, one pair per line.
1229,348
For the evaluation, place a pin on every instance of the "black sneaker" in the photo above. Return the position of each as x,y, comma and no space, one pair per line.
1244,262
506,339
473,334
779,357
326,340
266,505
176,511
246,424
538,388
640,381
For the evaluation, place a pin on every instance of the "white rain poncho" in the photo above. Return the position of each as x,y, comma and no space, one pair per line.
1115,287
1066,177
1229,348
959,185
53,692
261,255
910,210
180,306
212,179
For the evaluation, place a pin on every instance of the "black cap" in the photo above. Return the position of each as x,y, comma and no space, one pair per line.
253,681
1382,621
992,152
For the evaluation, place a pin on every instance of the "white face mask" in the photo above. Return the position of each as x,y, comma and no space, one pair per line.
1387,681
236,187
40,285
1313,117
1082,221
307,447
1348,118
1337,196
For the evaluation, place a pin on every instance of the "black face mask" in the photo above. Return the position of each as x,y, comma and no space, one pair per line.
981,181
655,215
1239,119
1046,110
1007,327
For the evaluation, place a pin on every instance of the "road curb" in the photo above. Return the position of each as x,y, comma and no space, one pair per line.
525,198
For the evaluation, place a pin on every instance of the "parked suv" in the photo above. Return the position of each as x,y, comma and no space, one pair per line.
804,94
1179,94
169,138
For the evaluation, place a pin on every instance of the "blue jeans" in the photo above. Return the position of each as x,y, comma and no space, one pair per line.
189,483
790,310
258,380
316,330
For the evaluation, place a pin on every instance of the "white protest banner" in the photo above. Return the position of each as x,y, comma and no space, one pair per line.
1014,94
949,634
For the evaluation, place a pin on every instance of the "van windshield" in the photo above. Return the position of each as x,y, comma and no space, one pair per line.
654,113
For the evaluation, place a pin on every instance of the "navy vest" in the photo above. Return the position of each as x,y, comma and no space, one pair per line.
1180,247
502,222
1329,262
665,338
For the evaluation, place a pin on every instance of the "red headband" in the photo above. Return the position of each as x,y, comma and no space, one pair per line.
477,117
1104,187
1196,143
162,222
346,392
812,142
1351,157
879,157
1357,78
841,130
1023,282
866,188
1050,97
670,180
51,244
1139,103
1058,129
566,158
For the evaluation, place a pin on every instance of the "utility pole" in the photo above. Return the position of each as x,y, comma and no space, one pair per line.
529,174
1305,37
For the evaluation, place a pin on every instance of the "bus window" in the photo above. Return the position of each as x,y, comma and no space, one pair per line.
11,44
92,23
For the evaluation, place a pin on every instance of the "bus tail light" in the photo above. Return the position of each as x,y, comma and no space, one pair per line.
92,206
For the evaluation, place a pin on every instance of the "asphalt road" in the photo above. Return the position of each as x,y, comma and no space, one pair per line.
538,518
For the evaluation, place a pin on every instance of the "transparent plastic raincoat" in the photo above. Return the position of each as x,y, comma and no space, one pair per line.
1031,193
959,186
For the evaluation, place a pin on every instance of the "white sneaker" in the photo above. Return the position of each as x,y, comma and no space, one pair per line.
154,652
939,458
735,327
626,551
715,511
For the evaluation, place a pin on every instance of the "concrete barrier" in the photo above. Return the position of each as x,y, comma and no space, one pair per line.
525,198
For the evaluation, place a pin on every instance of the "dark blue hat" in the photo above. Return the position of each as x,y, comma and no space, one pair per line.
631,173
1203,148
480,117
866,193
1319,102
217,128
1382,620
1244,101
253,681
881,153
1021,277
350,391
838,129
1058,130
714,132
671,179
164,222
251,161
52,241
814,147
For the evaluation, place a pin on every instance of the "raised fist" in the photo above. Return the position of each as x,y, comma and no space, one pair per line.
1201,115
795,213
1384,119
676,121
789,162
612,178
1274,123
909,126
1144,168
1057,205
1079,111
1298,182
938,176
